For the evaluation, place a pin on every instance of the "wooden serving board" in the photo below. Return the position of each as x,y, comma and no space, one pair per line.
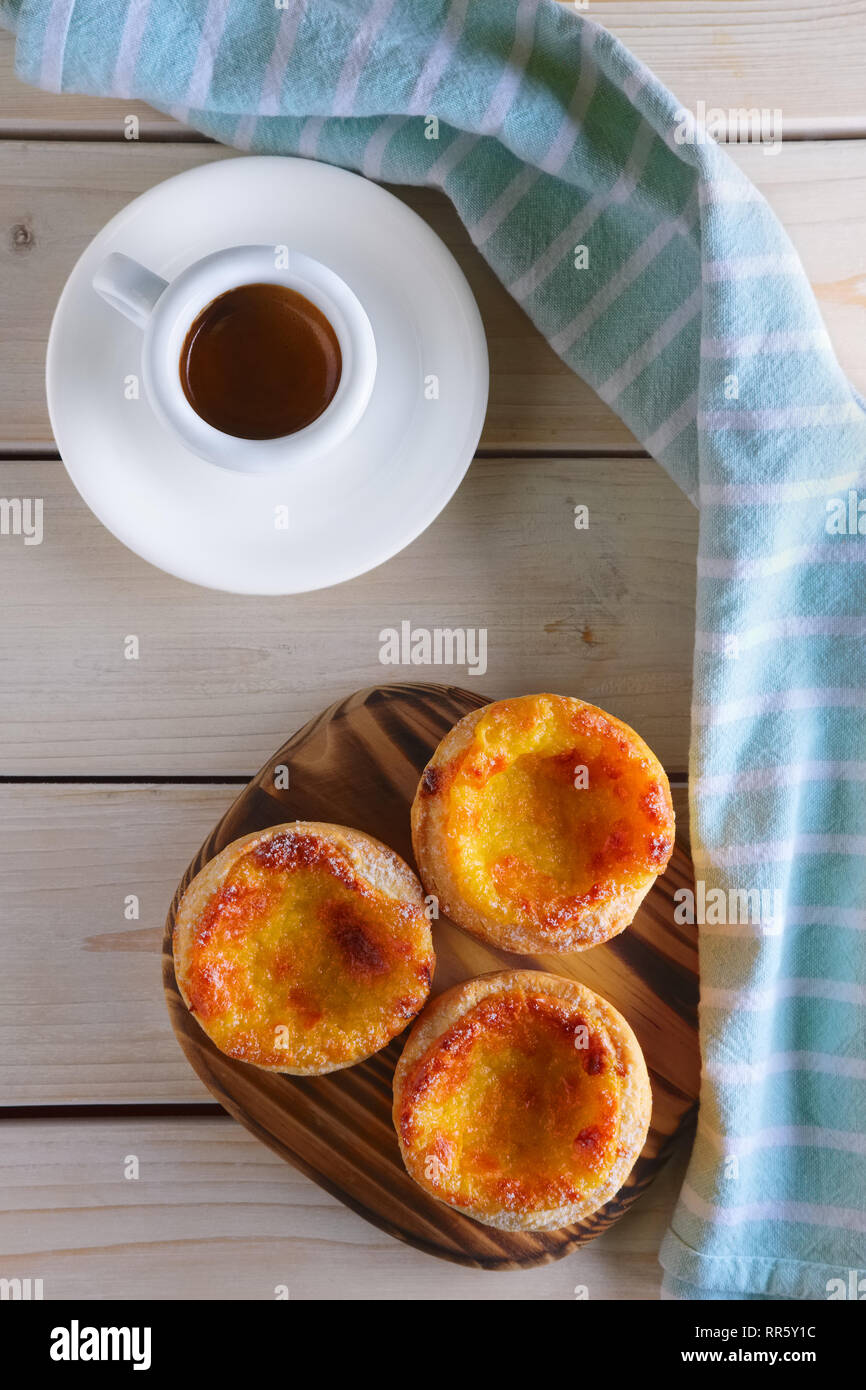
358,764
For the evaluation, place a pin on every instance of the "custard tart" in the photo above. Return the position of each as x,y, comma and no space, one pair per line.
303,948
540,823
521,1099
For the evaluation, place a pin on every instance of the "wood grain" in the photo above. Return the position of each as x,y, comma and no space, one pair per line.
56,196
606,613
216,1215
804,58
358,764
93,1029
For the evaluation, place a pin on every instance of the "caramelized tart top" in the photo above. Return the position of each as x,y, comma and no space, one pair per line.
518,1101
546,808
301,953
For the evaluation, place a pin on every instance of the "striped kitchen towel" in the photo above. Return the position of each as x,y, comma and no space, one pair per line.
660,275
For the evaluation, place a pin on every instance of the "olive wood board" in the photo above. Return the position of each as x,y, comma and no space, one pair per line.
358,764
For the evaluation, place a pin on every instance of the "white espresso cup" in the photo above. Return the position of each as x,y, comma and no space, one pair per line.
166,311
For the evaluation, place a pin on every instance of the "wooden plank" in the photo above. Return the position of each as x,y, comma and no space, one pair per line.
222,680
74,855
82,1014
804,59
56,196
215,1215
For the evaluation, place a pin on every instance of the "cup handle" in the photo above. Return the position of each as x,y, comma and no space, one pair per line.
130,288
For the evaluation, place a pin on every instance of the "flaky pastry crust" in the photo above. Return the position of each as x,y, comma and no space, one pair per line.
541,823
521,1099
303,948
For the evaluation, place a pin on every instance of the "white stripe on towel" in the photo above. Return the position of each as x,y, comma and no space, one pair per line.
819,1063
648,351
450,158
274,76
374,152
359,51
779,851
54,46
813,915
284,46
628,272
512,75
729,191
780,702
673,426
764,494
724,642
438,59
784,1137
750,267
764,566
308,140
755,344
758,1000
566,137
795,417
787,775
589,214
558,151
208,45
130,45
507,201
798,1213
490,121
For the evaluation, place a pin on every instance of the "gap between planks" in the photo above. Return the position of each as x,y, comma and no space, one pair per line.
38,453
113,1110
679,780
156,133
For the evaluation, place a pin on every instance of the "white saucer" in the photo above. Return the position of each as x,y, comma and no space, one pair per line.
361,503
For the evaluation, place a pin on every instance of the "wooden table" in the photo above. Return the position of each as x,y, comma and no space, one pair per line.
113,770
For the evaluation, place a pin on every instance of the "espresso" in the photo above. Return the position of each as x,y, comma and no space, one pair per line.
260,361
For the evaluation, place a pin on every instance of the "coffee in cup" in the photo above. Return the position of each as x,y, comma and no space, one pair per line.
260,361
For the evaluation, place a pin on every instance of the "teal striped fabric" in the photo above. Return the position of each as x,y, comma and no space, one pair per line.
689,314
